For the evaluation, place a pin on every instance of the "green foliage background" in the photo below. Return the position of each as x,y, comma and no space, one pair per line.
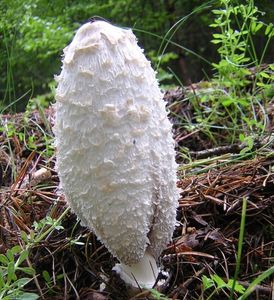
34,32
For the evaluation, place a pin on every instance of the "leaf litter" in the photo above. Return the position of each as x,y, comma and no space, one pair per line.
70,263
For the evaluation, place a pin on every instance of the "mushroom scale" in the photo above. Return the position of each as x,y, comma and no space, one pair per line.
115,151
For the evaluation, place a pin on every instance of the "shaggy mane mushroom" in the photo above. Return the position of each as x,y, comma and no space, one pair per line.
115,151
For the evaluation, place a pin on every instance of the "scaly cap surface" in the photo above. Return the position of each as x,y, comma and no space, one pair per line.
115,152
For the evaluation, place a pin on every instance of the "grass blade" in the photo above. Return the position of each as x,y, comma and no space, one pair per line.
256,281
240,247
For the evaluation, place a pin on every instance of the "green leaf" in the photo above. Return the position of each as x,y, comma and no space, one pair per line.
26,296
243,101
21,282
219,281
16,249
214,25
264,75
167,57
11,272
227,101
27,270
241,137
260,84
268,28
157,295
217,11
46,276
250,142
207,282
253,27
24,254
218,36
238,287
9,255
259,26
2,282
24,236
30,296
3,259
216,41
60,276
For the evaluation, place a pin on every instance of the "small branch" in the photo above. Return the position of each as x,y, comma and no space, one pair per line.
234,148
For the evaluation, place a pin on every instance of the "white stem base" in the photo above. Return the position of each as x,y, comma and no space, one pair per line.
143,274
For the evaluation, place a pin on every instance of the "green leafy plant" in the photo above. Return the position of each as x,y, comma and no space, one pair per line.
47,221
235,101
50,281
42,229
12,265
157,295
218,284
24,131
232,285
15,262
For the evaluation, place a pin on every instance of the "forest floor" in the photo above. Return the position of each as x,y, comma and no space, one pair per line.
70,263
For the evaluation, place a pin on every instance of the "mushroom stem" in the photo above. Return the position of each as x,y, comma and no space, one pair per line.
140,275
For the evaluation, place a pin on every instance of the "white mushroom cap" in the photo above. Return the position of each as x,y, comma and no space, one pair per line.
115,151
